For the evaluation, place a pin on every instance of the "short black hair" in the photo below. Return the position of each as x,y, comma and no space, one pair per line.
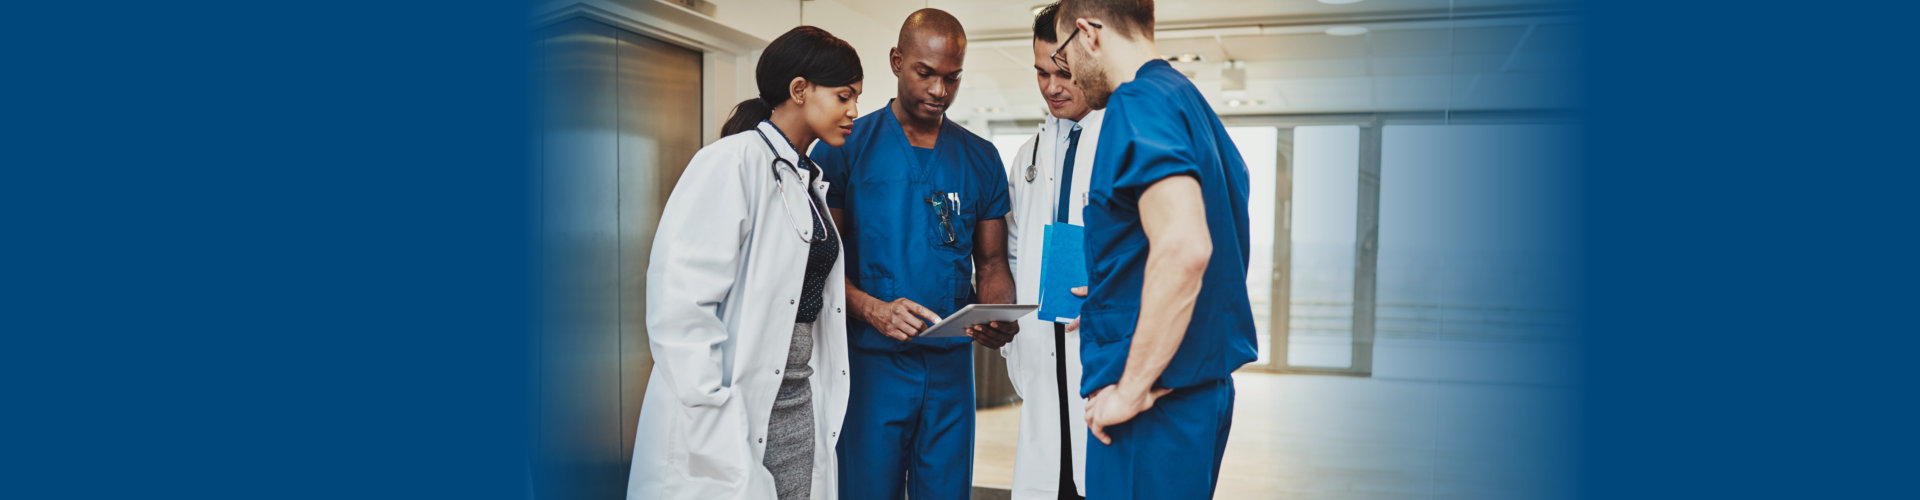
1130,18
1043,24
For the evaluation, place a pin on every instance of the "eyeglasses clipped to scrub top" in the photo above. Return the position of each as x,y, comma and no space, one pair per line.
945,206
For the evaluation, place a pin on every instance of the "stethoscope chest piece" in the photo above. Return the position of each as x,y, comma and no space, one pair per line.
1034,160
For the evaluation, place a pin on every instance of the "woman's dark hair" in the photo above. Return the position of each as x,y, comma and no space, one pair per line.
806,52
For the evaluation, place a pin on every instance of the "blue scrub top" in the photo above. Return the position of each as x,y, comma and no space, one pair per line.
1158,126
896,245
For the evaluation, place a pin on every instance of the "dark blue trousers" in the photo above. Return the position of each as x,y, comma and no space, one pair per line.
909,425
1170,451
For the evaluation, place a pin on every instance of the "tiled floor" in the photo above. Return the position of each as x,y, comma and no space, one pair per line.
1331,437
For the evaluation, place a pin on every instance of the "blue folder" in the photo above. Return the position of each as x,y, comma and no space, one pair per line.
1063,267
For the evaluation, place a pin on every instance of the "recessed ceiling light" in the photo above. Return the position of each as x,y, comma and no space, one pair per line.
1347,30
1183,57
1239,102
1333,2
986,110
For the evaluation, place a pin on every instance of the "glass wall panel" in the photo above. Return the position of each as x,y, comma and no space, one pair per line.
1473,257
1326,180
1259,147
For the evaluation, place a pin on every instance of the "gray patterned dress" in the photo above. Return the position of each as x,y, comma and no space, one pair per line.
790,429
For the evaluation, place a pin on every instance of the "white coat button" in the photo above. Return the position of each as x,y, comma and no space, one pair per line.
789,301
761,440
776,372
843,372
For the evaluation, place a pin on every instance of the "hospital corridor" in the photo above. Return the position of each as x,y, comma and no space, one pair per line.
959,250
1412,174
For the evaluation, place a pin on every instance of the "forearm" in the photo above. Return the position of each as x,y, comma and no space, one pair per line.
1170,287
859,302
993,278
1179,245
996,282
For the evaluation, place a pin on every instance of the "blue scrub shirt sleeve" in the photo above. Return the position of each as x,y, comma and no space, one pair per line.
833,169
1157,147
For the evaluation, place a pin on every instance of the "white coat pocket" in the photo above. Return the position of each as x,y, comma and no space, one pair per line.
714,443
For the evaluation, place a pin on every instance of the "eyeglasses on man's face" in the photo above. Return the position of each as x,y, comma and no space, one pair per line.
1060,54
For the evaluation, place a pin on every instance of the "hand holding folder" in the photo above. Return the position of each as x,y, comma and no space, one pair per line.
1063,267
1073,326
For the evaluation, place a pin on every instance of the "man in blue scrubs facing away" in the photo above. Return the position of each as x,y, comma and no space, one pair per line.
920,202
1166,319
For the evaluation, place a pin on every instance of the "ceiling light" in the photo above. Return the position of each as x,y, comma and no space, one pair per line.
1339,2
1238,103
1346,30
1232,78
986,110
1188,57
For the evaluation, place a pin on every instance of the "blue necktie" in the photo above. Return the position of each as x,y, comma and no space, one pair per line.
1066,176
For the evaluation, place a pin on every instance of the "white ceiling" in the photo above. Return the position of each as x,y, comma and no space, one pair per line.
988,16
1491,55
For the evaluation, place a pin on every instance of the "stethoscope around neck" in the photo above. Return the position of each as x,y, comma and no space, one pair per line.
818,236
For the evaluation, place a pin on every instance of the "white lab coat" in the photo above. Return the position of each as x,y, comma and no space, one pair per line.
1036,474
722,289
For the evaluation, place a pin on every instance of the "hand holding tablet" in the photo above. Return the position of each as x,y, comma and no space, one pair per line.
955,325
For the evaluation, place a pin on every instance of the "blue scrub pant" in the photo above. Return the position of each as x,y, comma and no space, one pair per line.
1172,450
909,425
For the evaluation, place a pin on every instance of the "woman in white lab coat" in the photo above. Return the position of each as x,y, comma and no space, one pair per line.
745,297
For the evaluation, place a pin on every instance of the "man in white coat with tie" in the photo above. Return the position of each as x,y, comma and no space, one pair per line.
1048,185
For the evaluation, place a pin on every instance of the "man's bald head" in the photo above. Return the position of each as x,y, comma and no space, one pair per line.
932,25
927,63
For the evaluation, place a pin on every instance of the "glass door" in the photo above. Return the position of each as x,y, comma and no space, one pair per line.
1314,215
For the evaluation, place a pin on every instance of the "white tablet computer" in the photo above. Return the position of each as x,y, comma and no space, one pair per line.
955,325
